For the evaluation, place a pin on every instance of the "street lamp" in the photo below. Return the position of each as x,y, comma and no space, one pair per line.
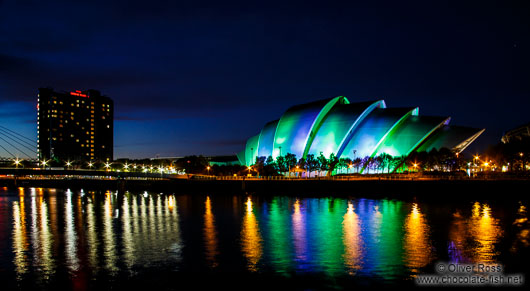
68,164
90,165
126,166
208,168
107,166
17,162
297,172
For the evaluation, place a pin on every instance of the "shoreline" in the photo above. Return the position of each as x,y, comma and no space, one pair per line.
431,189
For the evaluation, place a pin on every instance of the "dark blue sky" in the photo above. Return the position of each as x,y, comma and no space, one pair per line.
197,77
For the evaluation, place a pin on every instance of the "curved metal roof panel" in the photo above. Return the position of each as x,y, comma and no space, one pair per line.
251,150
372,131
299,124
266,139
339,125
455,138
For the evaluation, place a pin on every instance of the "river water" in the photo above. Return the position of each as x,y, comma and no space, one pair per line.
83,240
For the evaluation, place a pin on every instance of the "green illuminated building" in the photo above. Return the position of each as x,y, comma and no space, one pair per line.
352,130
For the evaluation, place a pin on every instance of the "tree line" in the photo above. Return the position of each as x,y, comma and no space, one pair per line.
434,160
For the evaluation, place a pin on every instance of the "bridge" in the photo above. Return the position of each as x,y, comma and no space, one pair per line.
15,146
36,173
18,159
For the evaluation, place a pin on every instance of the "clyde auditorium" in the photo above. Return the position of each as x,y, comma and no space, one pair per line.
353,130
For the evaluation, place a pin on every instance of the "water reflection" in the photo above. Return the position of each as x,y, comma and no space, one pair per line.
474,239
127,226
70,234
81,236
93,242
522,226
20,240
210,234
418,249
352,241
44,247
109,245
251,238
278,232
486,231
299,234
328,248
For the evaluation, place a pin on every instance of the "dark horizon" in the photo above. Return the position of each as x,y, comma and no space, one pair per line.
200,78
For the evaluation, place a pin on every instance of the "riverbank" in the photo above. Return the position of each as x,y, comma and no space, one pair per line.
432,188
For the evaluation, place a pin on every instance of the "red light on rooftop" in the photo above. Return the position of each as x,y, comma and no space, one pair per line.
78,93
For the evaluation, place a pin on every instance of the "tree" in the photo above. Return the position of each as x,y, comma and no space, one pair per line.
280,162
331,163
302,163
259,165
271,167
343,163
192,164
446,159
357,162
311,163
290,161
322,163
375,162
385,162
366,163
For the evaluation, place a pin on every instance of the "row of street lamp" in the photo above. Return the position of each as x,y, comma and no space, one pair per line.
107,165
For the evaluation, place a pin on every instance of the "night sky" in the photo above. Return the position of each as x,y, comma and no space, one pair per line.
195,77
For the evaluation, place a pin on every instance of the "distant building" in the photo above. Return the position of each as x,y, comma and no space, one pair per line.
74,125
223,161
517,133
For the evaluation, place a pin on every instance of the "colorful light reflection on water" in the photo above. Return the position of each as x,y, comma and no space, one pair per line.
120,236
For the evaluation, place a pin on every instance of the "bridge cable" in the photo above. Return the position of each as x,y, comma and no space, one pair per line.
14,147
5,128
7,151
12,138
21,140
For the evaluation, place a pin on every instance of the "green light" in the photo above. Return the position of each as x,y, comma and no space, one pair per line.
328,239
389,131
353,130
279,235
408,134
317,123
